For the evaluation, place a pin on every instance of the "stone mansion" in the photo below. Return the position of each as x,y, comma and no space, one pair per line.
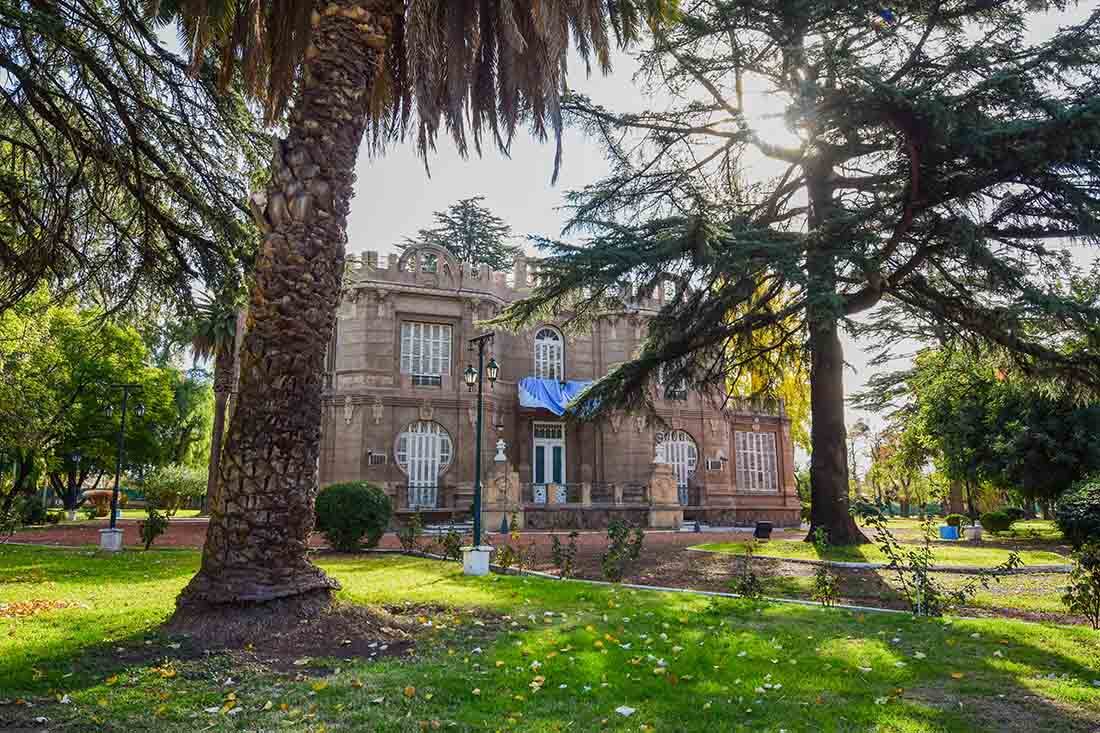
398,414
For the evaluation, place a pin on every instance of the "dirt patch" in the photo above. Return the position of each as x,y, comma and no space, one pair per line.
1011,712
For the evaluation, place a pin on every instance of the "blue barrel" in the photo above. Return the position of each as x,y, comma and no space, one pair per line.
948,532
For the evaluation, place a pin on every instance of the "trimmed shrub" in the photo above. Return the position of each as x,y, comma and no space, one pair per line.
996,522
31,511
353,512
1078,512
1015,513
957,520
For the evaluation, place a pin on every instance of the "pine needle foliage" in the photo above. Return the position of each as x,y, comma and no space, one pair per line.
122,176
938,166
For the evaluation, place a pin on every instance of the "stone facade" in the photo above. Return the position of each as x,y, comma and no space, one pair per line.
606,468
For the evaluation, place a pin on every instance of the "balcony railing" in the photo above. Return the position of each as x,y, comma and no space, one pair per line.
552,493
425,496
603,493
691,495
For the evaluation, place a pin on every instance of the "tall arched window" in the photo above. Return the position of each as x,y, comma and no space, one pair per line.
680,453
423,451
549,351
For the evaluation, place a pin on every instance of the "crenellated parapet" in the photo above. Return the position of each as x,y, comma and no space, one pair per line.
434,268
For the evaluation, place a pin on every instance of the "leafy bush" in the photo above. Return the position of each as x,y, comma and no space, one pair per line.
826,587
912,567
54,517
996,522
170,488
409,533
31,510
1083,594
957,520
450,545
1015,513
349,512
564,556
624,545
91,512
1078,512
155,524
745,582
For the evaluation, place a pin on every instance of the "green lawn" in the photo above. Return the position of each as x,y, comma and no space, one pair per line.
946,553
565,657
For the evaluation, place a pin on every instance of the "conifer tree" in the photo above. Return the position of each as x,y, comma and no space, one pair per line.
470,232
938,161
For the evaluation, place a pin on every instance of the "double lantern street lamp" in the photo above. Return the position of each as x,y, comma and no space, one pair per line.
111,538
476,558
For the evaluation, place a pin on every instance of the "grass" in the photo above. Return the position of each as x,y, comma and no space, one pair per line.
946,553
683,662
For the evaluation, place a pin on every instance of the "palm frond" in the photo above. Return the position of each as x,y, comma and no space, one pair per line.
471,67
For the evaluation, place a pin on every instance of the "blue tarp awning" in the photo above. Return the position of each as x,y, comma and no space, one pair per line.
549,394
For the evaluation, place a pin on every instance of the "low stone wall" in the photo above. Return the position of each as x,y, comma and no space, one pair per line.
586,518
730,517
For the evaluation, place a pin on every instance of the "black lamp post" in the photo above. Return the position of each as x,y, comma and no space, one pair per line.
474,376
140,410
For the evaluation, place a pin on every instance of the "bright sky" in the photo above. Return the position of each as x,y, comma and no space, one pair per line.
395,197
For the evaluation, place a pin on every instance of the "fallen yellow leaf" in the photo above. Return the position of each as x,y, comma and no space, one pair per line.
410,691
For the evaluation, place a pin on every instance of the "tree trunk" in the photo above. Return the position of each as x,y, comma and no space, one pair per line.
829,505
224,365
955,498
261,516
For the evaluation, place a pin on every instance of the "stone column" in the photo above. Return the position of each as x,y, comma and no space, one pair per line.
665,511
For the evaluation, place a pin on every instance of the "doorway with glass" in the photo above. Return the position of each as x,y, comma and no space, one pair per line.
549,463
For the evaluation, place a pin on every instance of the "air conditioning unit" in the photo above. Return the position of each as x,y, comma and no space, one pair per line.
376,459
714,464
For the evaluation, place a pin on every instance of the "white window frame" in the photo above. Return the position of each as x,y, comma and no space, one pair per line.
680,451
757,462
549,354
549,441
423,451
425,349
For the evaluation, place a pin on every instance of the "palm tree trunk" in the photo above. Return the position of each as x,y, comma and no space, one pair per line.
224,367
262,509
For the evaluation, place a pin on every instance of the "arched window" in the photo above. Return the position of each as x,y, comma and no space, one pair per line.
423,451
549,351
680,453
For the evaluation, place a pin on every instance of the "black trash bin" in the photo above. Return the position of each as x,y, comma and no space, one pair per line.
763,531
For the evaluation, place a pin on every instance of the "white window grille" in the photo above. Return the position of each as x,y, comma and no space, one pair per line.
426,351
757,469
549,353
423,452
672,390
680,453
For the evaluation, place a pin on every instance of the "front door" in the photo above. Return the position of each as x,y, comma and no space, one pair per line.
549,465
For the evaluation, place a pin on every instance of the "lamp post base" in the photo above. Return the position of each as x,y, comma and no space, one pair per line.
110,540
475,560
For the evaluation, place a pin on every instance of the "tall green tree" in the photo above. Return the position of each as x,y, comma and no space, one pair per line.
470,232
349,69
57,367
933,159
986,424
123,177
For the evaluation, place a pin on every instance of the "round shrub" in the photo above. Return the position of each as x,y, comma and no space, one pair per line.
352,512
956,520
1078,512
996,522
1015,513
